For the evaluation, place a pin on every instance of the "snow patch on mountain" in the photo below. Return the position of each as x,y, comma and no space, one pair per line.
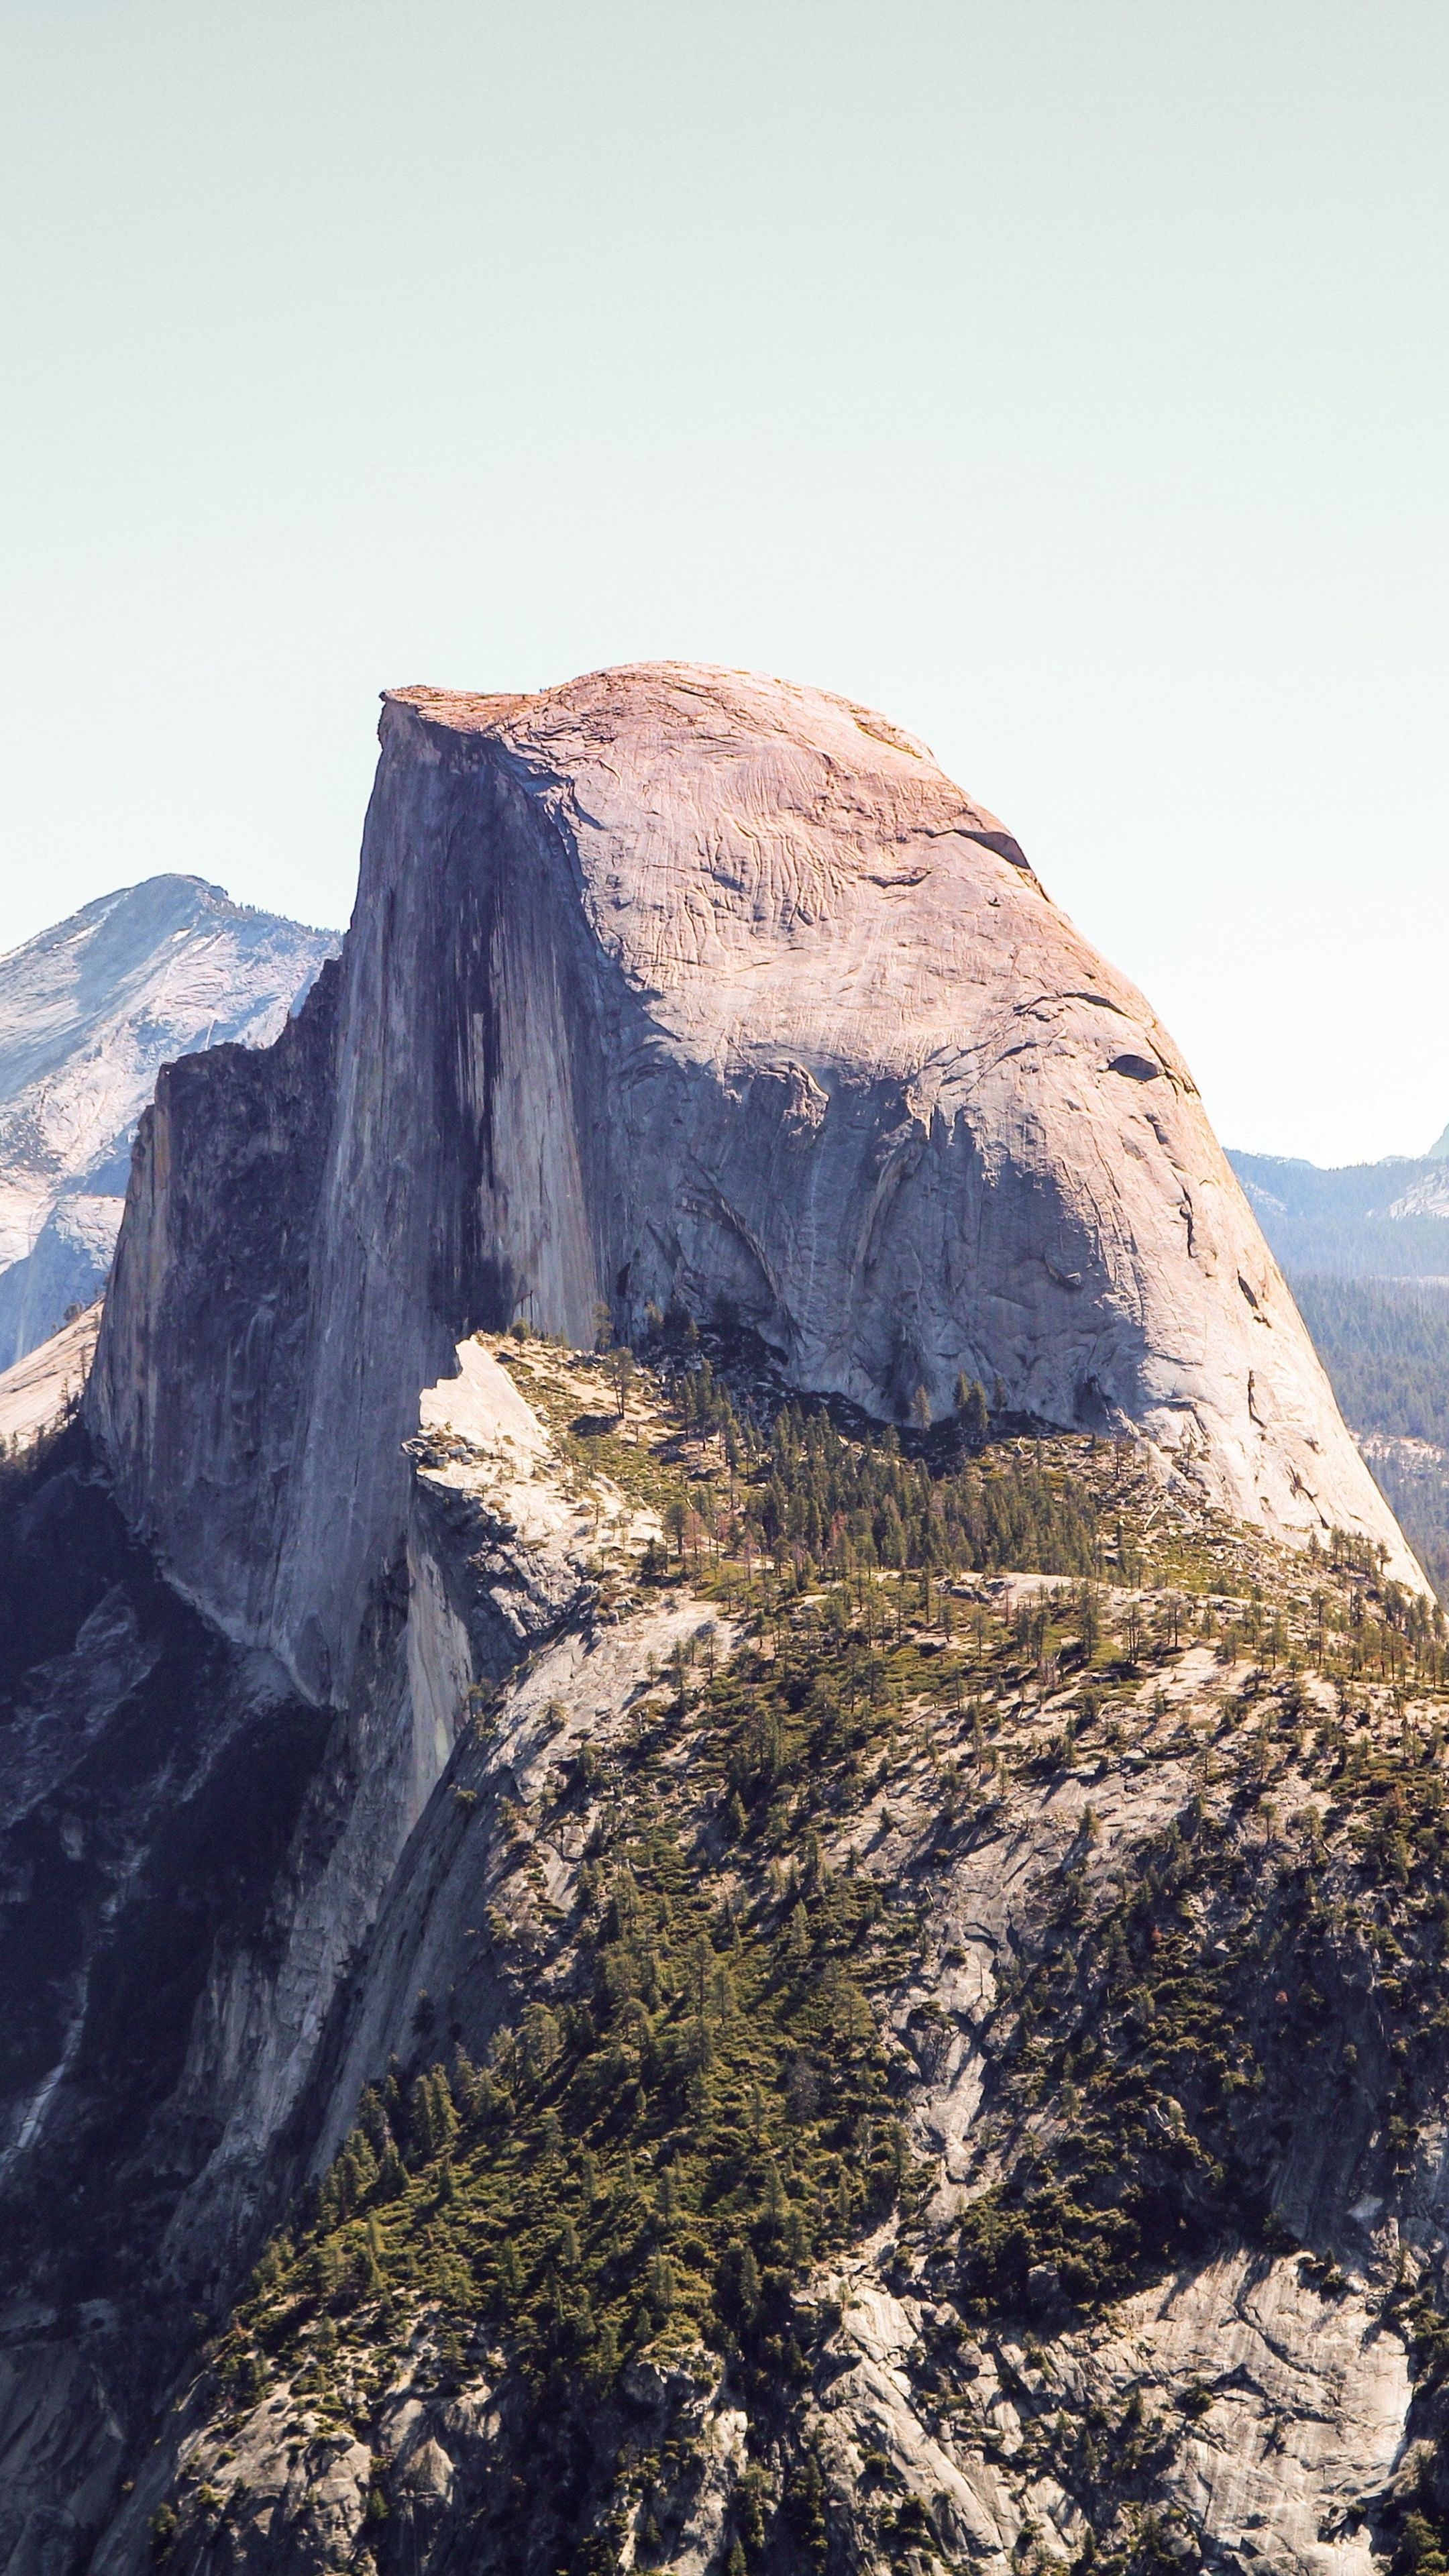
89,1012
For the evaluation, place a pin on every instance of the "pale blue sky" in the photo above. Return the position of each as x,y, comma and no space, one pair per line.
1067,378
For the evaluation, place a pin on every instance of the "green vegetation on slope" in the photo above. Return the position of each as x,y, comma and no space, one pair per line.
695,2099
655,2157
652,2156
1385,1345
1178,2022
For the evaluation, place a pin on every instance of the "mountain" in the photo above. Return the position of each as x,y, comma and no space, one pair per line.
679,987
808,1940
1386,1220
89,1012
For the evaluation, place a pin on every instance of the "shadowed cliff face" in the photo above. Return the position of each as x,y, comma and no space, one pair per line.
151,1780
680,986
190,1859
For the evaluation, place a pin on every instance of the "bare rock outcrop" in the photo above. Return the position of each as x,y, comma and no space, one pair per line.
38,1392
1066,1895
676,986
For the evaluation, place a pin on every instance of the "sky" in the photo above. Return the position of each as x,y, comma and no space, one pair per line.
1066,378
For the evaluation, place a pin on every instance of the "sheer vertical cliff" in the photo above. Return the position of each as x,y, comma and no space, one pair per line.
891,1966
682,986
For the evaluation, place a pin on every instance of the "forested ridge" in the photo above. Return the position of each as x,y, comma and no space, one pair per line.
1385,1345
697,2127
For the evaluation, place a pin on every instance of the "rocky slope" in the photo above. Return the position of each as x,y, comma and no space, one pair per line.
709,1941
89,1012
918,2068
39,1392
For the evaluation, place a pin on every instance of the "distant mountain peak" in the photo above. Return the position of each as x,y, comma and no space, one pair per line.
1388,1219
90,1009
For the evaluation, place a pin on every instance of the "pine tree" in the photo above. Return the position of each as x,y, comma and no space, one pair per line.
660,2285
372,2119
362,2165
971,1411
749,2277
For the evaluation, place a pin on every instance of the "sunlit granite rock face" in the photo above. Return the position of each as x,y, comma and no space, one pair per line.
668,988
89,1011
677,985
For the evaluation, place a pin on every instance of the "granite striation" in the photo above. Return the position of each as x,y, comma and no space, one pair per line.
676,986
